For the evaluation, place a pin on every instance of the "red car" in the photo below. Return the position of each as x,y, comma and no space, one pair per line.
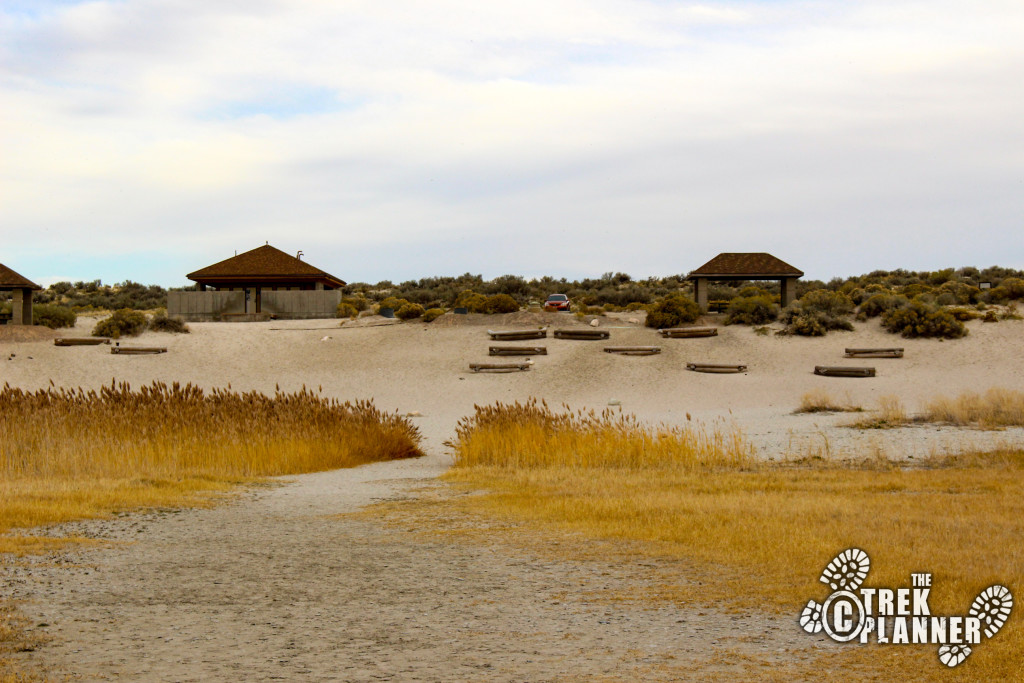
557,302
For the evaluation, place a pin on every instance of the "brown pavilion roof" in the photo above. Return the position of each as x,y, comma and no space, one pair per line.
264,263
748,265
11,280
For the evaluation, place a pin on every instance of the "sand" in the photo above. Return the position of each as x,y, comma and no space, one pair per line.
273,586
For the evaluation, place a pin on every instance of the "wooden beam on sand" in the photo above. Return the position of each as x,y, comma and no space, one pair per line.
499,367
513,335
80,341
633,350
582,335
688,332
719,368
843,371
892,352
518,350
137,350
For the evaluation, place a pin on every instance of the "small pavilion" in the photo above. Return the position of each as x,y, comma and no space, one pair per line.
21,289
263,275
734,266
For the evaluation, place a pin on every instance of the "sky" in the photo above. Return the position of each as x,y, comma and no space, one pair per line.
392,139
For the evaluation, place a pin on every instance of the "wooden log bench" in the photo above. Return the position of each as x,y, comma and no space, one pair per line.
137,350
688,332
518,350
499,367
843,371
894,352
716,367
513,335
633,350
80,341
582,335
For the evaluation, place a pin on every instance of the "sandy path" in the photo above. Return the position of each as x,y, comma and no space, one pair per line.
270,588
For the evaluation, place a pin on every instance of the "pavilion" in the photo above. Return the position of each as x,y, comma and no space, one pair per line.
733,266
21,289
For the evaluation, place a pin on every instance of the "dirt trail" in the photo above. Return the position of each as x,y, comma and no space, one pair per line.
270,587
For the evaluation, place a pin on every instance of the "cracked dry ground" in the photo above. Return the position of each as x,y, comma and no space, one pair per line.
280,584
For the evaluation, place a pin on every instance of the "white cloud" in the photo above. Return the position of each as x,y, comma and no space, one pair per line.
648,135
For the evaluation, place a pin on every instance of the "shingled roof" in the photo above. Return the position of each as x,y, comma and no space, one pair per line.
749,265
264,263
11,280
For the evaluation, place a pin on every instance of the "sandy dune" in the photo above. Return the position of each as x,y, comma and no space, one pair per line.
272,587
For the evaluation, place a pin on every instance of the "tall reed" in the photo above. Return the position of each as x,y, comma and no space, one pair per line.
172,430
531,435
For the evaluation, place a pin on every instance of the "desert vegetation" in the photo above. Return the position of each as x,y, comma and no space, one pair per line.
756,533
129,323
672,311
993,409
821,401
67,454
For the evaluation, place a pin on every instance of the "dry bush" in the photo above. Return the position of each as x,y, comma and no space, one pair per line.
994,408
432,314
751,310
409,311
530,435
346,310
890,413
821,401
122,323
918,319
161,322
672,311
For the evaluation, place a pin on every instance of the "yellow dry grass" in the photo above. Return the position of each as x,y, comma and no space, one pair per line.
994,409
821,401
70,454
759,534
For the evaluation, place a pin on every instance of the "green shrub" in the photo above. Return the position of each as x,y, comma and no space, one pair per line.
360,303
753,290
811,323
162,323
122,323
392,302
475,303
636,306
672,311
346,310
833,304
432,314
501,303
878,304
917,319
409,311
751,310
53,316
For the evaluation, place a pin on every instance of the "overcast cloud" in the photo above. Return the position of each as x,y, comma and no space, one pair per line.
144,139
